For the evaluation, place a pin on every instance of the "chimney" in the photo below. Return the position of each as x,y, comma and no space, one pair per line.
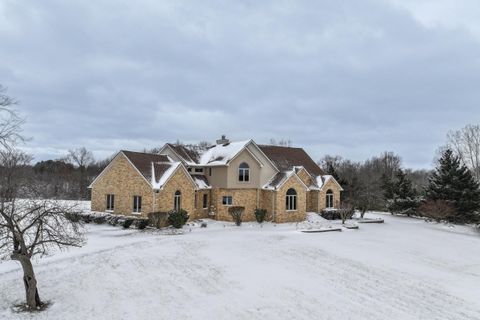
223,140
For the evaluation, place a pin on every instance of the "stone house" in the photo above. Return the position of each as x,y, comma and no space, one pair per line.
283,180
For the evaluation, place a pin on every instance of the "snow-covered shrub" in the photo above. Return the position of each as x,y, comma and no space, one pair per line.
127,223
437,210
236,212
141,223
100,219
178,218
260,215
158,219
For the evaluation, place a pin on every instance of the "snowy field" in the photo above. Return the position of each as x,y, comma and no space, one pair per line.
402,269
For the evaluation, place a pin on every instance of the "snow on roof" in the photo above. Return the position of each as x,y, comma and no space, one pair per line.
162,171
201,182
322,180
221,154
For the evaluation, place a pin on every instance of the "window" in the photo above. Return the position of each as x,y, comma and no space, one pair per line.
177,200
189,169
199,170
210,171
244,172
227,200
205,201
137,204
291,200
329,199
110,202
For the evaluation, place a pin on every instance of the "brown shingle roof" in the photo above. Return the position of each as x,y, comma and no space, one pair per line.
285,158
143,161
186,154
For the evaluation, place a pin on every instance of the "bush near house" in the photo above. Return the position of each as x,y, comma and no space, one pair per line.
260,215
236,212
178,218
336,214
158,219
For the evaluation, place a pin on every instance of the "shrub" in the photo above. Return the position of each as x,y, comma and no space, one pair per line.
127,223
86,218
178,218
437,210
260,215
158,219
345,211
330,214
100,219
236,212
141,223
73,216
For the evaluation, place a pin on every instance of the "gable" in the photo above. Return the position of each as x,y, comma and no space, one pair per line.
120,171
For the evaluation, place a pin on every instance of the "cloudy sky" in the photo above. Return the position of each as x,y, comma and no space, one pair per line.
350,77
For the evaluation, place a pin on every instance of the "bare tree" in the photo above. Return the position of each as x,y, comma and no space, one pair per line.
30,227
466,145
82,159
10,121
282,142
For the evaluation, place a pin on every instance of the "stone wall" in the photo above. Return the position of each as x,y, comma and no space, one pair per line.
323,194
123,181
200,211
181,181
281,213
241,197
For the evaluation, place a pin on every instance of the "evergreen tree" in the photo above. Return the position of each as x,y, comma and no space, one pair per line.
400,195
452,181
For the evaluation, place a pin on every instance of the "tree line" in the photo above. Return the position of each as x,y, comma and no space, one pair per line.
448,192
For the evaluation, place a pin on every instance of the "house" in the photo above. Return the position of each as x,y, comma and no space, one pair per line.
283,180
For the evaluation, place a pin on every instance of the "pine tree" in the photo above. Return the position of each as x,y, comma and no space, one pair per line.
400,195
452,181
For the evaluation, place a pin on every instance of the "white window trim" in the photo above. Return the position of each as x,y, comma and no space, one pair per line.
231,201
329,199
241,173
177,201
108,204
139,201
288,200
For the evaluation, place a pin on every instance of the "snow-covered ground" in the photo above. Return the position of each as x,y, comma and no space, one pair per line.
402,269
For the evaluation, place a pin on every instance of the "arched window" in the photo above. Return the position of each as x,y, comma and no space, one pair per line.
291,199
329,199
243,172
177,200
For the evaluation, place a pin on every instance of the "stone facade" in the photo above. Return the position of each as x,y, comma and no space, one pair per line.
180,181
123,181
248,198
330,185
281,213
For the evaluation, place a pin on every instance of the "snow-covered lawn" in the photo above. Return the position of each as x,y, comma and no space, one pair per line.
402,269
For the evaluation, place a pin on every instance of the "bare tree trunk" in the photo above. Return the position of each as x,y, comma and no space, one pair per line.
362,212
29,280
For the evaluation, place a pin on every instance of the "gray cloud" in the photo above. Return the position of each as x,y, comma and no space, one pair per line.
351,78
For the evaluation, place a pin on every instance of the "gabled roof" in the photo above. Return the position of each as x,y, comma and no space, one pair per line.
280,178
323,180
143,161
188,156
221,154
286,158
